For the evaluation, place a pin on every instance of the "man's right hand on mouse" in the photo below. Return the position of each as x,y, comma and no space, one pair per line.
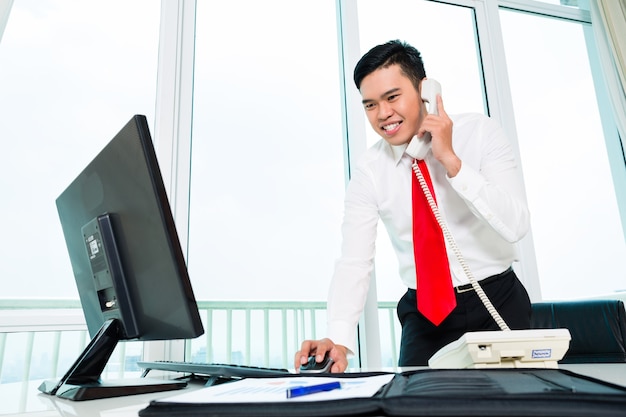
319,348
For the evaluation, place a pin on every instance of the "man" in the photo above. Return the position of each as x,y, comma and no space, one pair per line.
478,190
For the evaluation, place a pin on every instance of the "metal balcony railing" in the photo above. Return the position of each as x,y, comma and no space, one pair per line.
40,339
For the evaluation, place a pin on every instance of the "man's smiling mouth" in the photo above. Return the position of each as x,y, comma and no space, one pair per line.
391,127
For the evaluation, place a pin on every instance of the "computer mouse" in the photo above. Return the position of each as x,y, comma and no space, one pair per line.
312,366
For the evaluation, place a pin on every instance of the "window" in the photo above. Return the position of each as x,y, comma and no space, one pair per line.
577,230
553,59
267,174
72,73
462,62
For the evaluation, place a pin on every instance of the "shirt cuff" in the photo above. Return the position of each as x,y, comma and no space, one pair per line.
343,333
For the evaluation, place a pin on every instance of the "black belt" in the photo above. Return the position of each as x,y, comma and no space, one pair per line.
468,287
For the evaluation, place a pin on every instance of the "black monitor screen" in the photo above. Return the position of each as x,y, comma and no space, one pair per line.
125,254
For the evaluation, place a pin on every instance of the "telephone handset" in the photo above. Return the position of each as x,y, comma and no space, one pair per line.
418,147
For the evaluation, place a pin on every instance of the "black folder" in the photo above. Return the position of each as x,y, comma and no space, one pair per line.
442,392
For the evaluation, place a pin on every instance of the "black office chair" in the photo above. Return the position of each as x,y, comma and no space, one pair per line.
597,327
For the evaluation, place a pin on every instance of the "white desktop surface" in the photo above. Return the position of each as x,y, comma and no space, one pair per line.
36,404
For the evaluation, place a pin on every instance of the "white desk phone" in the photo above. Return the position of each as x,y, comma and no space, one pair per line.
533,348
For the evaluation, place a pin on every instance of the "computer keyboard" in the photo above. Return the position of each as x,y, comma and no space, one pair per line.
212,369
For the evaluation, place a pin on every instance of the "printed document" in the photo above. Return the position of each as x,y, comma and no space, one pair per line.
252,390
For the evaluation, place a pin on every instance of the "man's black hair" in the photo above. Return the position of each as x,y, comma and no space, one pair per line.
393,52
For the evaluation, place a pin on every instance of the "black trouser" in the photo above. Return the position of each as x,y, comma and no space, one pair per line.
421,339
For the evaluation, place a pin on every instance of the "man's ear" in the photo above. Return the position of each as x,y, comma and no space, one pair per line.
419,86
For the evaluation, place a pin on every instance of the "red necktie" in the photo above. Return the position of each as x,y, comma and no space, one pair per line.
435,294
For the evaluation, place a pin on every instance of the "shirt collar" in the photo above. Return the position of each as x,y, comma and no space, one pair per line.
398,152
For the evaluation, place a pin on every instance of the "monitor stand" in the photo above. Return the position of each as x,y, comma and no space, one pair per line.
82,381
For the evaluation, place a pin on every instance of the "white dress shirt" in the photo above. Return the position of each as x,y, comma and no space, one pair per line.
484,207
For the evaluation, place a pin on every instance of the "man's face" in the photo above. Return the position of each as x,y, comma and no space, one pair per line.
393,107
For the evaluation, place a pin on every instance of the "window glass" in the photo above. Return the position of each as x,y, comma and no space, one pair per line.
267,178
576,226
571,3
72,73
452,60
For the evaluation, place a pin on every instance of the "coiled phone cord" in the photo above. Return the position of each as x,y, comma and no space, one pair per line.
452,243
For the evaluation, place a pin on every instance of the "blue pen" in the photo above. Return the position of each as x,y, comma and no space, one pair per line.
312,389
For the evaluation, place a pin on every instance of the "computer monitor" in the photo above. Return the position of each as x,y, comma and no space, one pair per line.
127,261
